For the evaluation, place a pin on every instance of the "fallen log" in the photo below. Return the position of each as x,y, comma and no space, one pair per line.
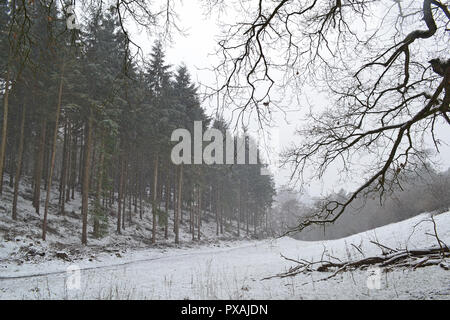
415,258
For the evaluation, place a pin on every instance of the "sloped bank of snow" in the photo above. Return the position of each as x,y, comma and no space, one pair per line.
236,272
21,247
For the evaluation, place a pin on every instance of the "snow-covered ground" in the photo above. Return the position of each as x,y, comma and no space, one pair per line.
235,270
21,244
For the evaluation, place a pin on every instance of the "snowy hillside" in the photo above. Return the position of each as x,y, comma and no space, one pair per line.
21,244
236,271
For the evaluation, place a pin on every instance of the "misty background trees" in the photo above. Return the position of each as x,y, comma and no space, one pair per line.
426,190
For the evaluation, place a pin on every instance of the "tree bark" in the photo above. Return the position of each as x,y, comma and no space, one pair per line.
199,215
73,171
191,220
40,167
4,128
155,197
124,191
217,210
239,212
119,200
86,176
52,165
19,164
99,189
179,207
69,162
167,190
62,186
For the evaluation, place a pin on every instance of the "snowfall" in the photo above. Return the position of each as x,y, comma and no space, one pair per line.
212,269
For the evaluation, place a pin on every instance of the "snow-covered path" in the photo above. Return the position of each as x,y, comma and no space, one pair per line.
235,272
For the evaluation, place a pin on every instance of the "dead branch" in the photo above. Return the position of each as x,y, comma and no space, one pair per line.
416,258
383,247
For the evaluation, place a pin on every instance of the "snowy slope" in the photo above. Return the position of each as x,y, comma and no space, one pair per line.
20,242
235,272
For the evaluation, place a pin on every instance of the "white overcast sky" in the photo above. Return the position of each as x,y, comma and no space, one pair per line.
196,49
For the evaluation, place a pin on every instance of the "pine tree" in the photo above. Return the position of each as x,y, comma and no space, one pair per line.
89,117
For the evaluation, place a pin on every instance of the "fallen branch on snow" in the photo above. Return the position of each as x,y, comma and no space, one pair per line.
415,258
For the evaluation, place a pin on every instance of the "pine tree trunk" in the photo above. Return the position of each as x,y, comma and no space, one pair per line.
141,208
254,223
11,162
19,164
199,215
73,173
239,212
166,224
179,207
130,201
155,197
39,167
266,218
175,192
46,169
4,128
217,210
191,221
119,200
93,174
221,212
136,184
62,187
69,162
99,189
247,210
86,177
124,192
52,165
81,159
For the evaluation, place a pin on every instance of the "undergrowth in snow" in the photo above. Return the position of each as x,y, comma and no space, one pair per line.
21,244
